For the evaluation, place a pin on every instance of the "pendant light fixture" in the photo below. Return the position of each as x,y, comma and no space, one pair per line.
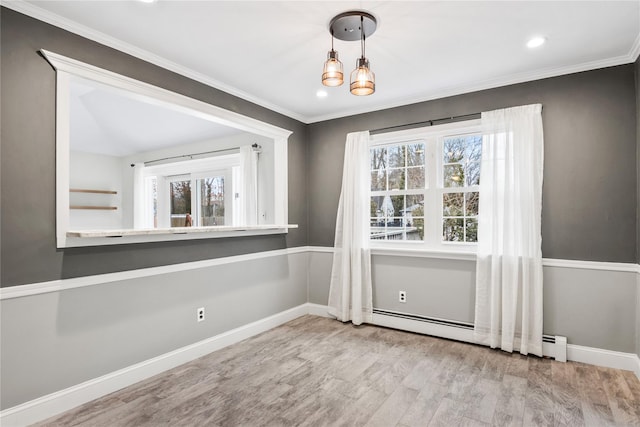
363,81
351,26
332,74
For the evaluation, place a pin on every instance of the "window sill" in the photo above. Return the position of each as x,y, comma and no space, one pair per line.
77,238
423,253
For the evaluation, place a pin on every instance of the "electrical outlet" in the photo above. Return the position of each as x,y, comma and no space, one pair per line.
402,296
200,314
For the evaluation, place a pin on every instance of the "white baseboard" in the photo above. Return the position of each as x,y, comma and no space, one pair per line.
560,351
63,400
318,310
606,358
442,331
557,350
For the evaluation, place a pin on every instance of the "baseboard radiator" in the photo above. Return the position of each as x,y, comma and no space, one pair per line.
552,346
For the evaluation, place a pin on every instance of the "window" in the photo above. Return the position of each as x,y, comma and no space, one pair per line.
425,186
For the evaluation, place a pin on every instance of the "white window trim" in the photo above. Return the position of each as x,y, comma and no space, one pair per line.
433,137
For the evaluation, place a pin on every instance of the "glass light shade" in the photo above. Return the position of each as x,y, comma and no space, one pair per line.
363,80
332,74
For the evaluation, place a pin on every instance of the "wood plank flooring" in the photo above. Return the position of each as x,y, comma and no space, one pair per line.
315,371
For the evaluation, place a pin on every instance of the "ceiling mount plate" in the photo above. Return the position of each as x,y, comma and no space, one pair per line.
346,26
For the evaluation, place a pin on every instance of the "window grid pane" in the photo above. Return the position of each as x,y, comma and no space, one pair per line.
211,201
398,182
461,157
180,203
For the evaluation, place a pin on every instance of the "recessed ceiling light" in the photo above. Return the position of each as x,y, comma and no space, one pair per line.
321,93
148,1
535,42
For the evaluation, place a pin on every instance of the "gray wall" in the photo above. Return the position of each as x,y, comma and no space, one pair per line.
637,81
637,75
589,193
28,245
56,340
593,308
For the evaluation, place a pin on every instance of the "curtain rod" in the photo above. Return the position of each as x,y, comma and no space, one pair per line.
187,155
424,122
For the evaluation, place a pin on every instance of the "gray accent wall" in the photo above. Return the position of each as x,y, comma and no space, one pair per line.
28,244
589,191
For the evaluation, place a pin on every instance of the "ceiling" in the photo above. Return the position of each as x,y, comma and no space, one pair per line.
272,52
115,123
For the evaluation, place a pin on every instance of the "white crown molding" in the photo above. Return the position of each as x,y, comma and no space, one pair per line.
486,84
74,27
97,36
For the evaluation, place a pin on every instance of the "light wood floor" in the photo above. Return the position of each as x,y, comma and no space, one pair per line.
316,371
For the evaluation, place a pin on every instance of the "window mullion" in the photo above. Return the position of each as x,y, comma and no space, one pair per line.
431,194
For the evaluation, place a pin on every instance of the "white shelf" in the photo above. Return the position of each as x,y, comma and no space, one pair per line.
224,229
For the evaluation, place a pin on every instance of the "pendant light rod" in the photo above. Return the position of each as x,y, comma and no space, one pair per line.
362,36
332,40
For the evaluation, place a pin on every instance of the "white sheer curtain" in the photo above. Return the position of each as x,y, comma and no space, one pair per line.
138,196
509,266
350,295
249,195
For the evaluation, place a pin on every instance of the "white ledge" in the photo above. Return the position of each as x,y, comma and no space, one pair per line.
77,238
175,230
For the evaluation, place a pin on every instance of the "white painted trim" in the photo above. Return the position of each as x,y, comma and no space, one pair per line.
104,39
319,310
634,52
442,331
82,238
557,350
63,400
68,67
190,105
591,265
606,358
79,282
321,249
561,351
421,253
91,34
547,262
